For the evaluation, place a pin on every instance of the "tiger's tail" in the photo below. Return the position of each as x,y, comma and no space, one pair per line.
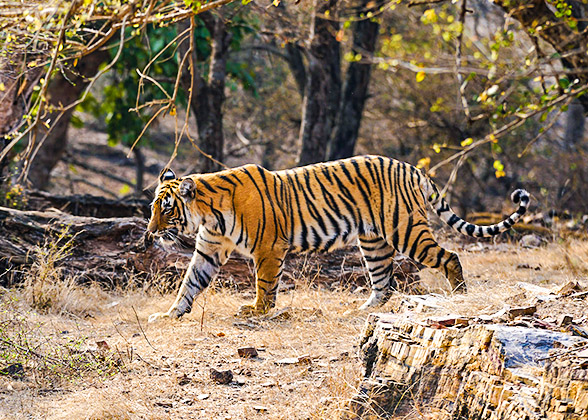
520,197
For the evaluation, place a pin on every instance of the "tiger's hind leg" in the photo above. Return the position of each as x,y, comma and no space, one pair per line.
379,257
268,273
429,253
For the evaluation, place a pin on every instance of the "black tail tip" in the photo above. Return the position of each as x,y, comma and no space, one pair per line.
520,196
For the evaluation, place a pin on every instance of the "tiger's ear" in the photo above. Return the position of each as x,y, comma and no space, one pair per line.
188,188
166,175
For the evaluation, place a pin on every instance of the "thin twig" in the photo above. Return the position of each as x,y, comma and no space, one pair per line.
141,328
423,2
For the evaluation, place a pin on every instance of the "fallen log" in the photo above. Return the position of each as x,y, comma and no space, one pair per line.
106,250
88,205
476,372
112,252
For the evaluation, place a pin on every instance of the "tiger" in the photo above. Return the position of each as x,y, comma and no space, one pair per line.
376,202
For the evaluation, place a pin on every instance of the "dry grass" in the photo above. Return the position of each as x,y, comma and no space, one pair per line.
48,289
162,370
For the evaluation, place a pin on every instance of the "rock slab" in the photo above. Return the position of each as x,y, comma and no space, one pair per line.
493,372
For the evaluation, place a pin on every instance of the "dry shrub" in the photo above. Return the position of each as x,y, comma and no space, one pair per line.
30,351
49,289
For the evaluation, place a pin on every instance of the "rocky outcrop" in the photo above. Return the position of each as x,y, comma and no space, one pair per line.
476,371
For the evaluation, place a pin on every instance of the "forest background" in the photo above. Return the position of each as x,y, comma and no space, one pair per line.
484,95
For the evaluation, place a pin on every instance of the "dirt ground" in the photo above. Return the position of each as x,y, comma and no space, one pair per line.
99,359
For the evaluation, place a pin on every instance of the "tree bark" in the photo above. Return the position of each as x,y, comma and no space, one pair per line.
536,16
355,91
575,126
63,90
17,87
296,65
208,96
139,170
323,86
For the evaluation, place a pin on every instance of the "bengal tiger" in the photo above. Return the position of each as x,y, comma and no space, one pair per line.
377,202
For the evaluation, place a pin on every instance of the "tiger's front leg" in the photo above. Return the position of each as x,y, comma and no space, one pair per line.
268,273
210,254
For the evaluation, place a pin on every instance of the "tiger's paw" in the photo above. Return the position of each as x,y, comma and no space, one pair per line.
376,299
162,315
247,311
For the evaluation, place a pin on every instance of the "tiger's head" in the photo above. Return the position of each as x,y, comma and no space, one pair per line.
171,207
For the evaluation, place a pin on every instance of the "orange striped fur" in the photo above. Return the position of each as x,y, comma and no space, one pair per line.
376,202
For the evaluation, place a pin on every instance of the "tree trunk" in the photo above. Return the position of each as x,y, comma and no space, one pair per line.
536,16
208,96
323,86
139,171
63,90
355,91
296,65
17,87
575,126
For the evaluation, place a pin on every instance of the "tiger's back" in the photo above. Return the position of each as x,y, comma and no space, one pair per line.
377,202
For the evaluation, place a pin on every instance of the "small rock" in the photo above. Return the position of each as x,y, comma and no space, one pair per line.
531,241
221,377
522,311
260,408
247,352
102,345
448,321
567,288
203,396
564,320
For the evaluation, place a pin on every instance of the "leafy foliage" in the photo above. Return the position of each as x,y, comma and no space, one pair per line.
127,102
